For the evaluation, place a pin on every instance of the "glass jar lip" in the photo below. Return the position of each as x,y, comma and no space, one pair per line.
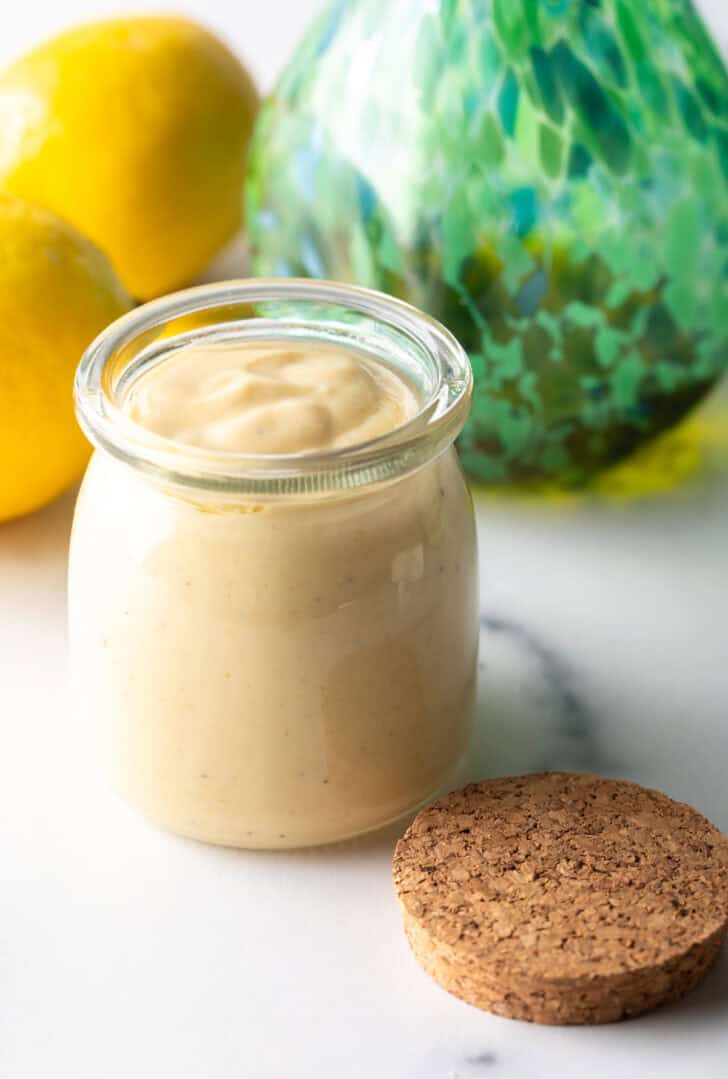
435,426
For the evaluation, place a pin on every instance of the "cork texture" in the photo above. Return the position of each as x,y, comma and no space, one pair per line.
561,898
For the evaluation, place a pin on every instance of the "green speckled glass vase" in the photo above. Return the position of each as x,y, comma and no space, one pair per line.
547,177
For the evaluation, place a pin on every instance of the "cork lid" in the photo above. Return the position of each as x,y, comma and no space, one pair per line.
563,898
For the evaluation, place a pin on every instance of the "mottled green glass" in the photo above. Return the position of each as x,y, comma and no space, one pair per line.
547,177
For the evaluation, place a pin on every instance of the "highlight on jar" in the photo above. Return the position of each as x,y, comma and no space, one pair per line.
273,572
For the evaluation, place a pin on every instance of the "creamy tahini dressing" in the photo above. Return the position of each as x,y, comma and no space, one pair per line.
265,672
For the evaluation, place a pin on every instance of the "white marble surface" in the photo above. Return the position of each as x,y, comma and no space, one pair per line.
125,952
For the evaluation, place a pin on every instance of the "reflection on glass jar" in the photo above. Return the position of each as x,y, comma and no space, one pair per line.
275,651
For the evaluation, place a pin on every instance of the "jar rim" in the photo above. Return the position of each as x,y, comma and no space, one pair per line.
435,426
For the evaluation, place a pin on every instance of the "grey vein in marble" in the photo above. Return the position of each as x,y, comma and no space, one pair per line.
531,715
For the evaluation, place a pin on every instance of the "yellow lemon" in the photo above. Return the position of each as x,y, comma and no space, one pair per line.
57,291
136,131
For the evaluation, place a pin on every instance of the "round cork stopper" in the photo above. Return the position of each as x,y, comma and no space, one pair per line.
561,898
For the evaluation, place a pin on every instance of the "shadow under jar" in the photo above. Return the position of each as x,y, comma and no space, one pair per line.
275,650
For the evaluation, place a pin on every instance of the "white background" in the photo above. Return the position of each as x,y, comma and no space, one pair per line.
129,954
263,32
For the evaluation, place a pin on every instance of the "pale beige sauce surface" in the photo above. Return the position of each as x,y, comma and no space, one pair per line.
270,398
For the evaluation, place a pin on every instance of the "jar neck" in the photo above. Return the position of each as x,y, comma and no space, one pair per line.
282,310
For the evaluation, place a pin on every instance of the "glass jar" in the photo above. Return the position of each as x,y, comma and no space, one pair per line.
275,651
